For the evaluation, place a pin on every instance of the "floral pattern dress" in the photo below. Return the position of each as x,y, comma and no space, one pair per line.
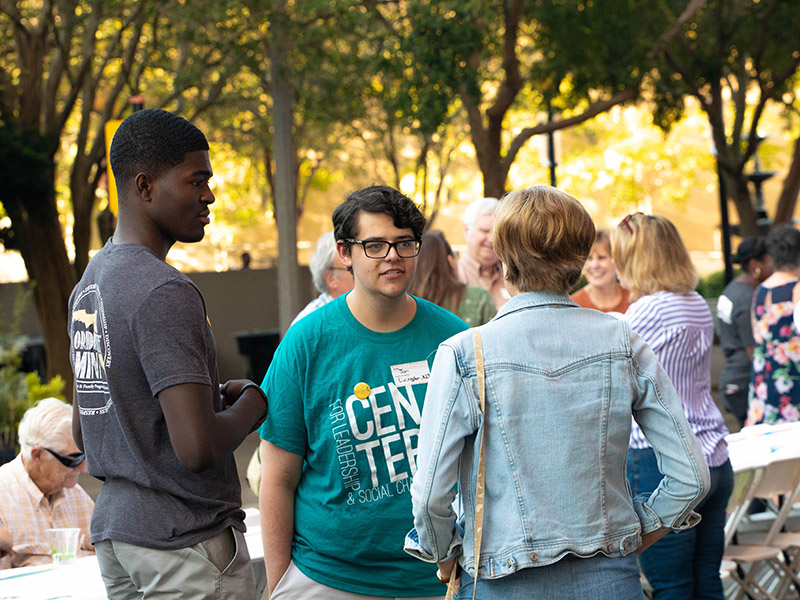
775,379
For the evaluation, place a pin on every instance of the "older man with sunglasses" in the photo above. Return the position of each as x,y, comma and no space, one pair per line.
38,489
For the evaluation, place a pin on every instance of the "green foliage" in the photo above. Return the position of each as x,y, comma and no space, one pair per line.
443,41
711,285
23,151
581,283
588,46
39,391
18,391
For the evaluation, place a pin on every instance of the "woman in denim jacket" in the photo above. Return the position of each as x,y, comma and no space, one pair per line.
562,383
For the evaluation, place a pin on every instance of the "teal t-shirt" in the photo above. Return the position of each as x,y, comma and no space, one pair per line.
352,506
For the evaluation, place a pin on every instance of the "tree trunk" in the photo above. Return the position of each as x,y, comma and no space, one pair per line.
29,200
82,193
285,186
791,188
740,194
53,279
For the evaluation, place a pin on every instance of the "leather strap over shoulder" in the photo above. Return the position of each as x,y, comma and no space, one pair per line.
480,483
452,587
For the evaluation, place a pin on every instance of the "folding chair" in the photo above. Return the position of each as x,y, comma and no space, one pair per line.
769,575
745,484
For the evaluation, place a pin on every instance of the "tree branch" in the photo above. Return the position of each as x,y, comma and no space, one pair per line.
512,81
592,111
59,118
687,15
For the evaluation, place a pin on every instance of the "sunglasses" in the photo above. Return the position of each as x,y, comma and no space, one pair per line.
626,222
70,460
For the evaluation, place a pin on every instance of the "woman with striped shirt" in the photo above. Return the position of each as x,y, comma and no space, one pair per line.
652,261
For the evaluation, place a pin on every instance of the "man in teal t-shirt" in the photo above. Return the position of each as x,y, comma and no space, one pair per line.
346,388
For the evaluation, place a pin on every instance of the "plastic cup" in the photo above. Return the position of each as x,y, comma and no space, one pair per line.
64,543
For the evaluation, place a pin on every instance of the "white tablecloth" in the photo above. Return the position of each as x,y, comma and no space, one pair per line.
81,579
759,445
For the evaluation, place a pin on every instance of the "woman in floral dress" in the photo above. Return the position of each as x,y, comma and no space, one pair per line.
775,379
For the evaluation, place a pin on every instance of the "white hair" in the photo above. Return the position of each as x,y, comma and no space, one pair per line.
478,208
48,423
322,260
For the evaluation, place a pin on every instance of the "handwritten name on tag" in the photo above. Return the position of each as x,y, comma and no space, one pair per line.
411,373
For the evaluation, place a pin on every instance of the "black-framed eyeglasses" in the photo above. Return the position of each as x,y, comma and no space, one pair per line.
626,222
70,460
381,248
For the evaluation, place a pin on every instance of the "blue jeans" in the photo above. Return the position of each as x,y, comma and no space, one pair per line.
571,578
685,565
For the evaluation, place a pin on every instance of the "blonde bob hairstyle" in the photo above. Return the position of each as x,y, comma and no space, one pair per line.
651,257
542,236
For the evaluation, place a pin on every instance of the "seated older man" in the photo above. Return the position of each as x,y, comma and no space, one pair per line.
38,488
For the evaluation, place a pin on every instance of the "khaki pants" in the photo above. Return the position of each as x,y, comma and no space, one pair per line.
295,585
215,569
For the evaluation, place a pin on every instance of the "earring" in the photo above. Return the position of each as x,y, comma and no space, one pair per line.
758,272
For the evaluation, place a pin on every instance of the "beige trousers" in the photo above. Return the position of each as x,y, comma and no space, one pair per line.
215,569
295,585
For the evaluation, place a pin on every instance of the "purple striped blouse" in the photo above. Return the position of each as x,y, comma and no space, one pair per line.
680,330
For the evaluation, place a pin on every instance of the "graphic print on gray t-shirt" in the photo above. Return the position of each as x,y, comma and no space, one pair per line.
91,353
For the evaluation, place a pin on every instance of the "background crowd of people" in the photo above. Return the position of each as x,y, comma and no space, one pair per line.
578,441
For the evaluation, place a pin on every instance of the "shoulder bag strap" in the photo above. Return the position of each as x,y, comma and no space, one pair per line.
480,483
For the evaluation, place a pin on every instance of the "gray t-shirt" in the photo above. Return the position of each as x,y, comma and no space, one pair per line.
138,326
735,333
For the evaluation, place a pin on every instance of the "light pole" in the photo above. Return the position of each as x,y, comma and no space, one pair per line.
551,147
725,225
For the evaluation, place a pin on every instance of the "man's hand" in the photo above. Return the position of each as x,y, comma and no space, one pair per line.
199,434
233,389
6,543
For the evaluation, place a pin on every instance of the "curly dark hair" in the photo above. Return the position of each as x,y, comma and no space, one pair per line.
783,244
152,141
377,199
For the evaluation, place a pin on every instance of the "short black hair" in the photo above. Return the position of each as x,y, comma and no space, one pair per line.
152,141
783,244
750,248
377,199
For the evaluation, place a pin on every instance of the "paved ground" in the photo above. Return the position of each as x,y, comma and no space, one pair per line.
245,451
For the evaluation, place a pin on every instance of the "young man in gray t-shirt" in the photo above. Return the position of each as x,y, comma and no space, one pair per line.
149,412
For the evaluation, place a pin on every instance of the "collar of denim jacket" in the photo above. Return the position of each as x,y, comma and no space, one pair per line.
538,299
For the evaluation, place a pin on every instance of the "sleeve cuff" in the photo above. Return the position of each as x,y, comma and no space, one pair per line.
650,521
413,547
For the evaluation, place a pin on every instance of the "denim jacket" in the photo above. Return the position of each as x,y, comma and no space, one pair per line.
561,385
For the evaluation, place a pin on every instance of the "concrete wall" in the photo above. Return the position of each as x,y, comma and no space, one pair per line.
242,301
236,301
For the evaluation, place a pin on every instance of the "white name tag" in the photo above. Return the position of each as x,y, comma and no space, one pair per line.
410,373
